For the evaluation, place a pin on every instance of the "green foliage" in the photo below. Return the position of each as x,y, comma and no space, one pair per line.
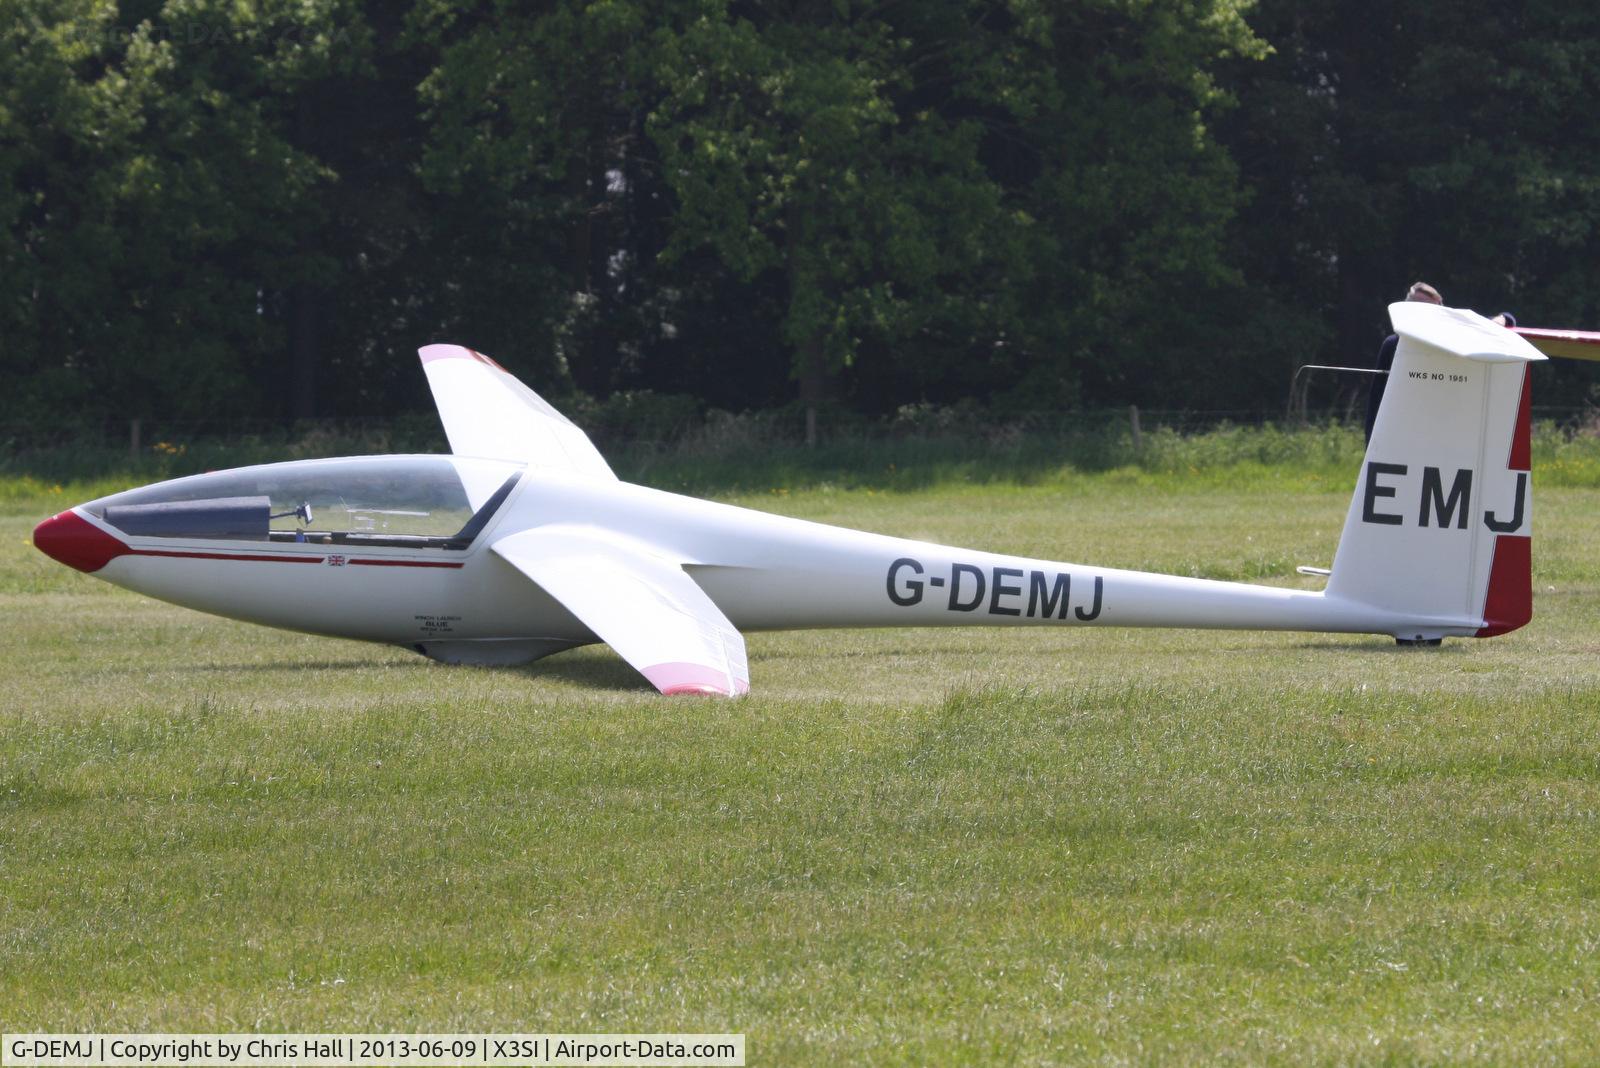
831,149
168,202
1442,142
257,209
1132,199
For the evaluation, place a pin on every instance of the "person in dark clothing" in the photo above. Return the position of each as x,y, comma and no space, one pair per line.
1419,291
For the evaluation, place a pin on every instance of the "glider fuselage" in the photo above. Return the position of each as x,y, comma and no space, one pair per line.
766,572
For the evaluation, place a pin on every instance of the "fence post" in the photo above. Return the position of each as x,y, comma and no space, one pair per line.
133,439
1133,424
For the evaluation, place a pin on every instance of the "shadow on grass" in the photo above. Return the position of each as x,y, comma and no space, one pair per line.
284,665
595,672
1387,647
590,672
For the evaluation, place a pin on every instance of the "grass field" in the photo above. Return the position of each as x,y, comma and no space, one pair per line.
966,846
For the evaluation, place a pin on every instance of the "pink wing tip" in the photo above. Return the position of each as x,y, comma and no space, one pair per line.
696,679
429,353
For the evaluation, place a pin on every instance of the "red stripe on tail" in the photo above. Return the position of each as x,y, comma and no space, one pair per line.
1508,604
1521,458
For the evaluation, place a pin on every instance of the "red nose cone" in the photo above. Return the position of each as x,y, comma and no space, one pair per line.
76,542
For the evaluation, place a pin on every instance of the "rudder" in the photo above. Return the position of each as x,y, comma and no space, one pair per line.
1439,529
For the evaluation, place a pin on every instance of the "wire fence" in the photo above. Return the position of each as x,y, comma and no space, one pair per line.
423,433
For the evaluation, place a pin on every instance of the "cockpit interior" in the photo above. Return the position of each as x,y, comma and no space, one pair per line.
420,502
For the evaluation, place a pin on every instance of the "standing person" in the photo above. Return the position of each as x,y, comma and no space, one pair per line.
1419,291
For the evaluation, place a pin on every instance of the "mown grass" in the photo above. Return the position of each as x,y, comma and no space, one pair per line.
967,846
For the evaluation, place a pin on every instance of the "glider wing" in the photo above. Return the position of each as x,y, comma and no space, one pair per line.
487,412
1573,344
643,605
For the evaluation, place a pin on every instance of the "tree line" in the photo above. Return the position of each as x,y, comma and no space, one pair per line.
230,209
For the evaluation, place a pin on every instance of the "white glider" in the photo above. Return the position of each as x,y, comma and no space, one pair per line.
524,543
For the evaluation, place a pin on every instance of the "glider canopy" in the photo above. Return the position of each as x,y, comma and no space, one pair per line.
425,501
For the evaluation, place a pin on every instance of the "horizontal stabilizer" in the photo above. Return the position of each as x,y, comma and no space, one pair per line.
1458,332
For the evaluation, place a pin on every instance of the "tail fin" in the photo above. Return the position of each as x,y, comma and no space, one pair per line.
1439,530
